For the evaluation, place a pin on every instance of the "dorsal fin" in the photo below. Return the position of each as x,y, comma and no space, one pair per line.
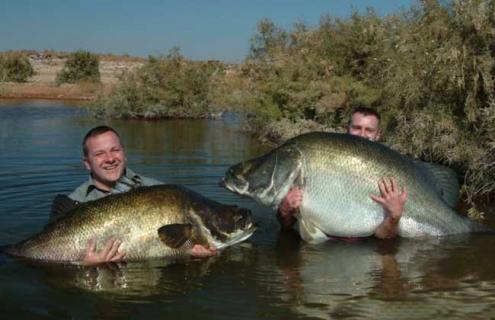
445,181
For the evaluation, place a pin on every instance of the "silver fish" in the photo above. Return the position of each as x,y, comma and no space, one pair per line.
338,173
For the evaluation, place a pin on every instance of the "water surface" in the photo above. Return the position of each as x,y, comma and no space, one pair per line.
271,276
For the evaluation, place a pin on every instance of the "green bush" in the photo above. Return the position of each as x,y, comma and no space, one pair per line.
167,86
80,66
15,67
429,71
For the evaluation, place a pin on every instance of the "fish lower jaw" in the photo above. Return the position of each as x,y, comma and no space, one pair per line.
234,239
242,190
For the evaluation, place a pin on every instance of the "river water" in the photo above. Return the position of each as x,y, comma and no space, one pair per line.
273,275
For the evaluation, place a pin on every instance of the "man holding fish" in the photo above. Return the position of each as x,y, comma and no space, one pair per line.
364,122
105,159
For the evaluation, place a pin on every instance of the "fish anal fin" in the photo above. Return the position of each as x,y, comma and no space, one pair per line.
310,233
175,235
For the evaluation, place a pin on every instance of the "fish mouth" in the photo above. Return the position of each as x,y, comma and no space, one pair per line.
244,221
237,236
234,187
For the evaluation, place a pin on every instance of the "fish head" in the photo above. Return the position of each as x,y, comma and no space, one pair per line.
203,221
268,178
226,224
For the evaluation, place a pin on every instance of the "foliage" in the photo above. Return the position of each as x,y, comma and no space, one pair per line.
429,71
15,67
164,87
80,66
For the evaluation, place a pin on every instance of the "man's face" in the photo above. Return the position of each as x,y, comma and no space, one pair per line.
105,160
365,126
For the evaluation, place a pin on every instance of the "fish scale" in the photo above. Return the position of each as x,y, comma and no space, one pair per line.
134,218
339,172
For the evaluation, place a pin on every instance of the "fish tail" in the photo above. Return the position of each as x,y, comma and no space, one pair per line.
11,250
481,228
8,249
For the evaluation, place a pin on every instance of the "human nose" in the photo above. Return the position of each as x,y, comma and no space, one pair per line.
109,157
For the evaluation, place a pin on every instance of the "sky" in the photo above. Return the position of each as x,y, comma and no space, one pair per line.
202,29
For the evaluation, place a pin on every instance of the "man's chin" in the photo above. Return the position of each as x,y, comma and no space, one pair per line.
113,176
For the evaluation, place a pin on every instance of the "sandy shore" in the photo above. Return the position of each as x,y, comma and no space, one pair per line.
43,86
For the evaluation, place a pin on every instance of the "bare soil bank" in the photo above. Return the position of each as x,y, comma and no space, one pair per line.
43,84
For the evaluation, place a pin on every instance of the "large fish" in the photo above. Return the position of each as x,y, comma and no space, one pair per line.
338,173
152,222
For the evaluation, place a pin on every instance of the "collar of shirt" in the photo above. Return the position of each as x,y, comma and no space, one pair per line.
128,181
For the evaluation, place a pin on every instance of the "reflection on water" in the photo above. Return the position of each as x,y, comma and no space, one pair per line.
397,279
272,276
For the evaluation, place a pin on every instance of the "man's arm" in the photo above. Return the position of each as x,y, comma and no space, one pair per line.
288,208
61,204
109,253
393,201
199,251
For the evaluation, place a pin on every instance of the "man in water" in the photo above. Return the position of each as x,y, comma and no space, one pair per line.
364,122
105,158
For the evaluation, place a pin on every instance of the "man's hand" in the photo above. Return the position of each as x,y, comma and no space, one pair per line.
288,208
393,201
199,251
110,253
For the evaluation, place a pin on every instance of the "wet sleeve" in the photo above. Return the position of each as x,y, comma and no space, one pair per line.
61,205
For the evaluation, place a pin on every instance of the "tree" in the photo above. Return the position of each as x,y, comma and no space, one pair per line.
80,66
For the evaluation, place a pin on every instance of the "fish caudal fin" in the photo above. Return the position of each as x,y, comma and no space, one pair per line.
481,228
9,250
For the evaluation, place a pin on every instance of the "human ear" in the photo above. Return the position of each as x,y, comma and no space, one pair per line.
86,163
378,135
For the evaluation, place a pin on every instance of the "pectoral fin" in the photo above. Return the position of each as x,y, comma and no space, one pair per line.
310,233
174,235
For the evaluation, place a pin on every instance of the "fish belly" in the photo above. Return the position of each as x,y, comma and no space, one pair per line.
339,209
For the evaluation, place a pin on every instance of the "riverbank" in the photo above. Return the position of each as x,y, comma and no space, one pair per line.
43,84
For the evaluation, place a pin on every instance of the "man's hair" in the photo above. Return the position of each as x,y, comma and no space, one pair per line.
96,131
366,111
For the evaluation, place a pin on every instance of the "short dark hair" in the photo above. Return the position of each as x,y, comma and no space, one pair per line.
96,131
366,111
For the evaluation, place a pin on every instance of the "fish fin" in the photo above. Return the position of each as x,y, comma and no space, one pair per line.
445,181
61,205
310,233
175,235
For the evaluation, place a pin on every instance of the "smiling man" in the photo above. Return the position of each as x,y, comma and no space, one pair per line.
105,158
